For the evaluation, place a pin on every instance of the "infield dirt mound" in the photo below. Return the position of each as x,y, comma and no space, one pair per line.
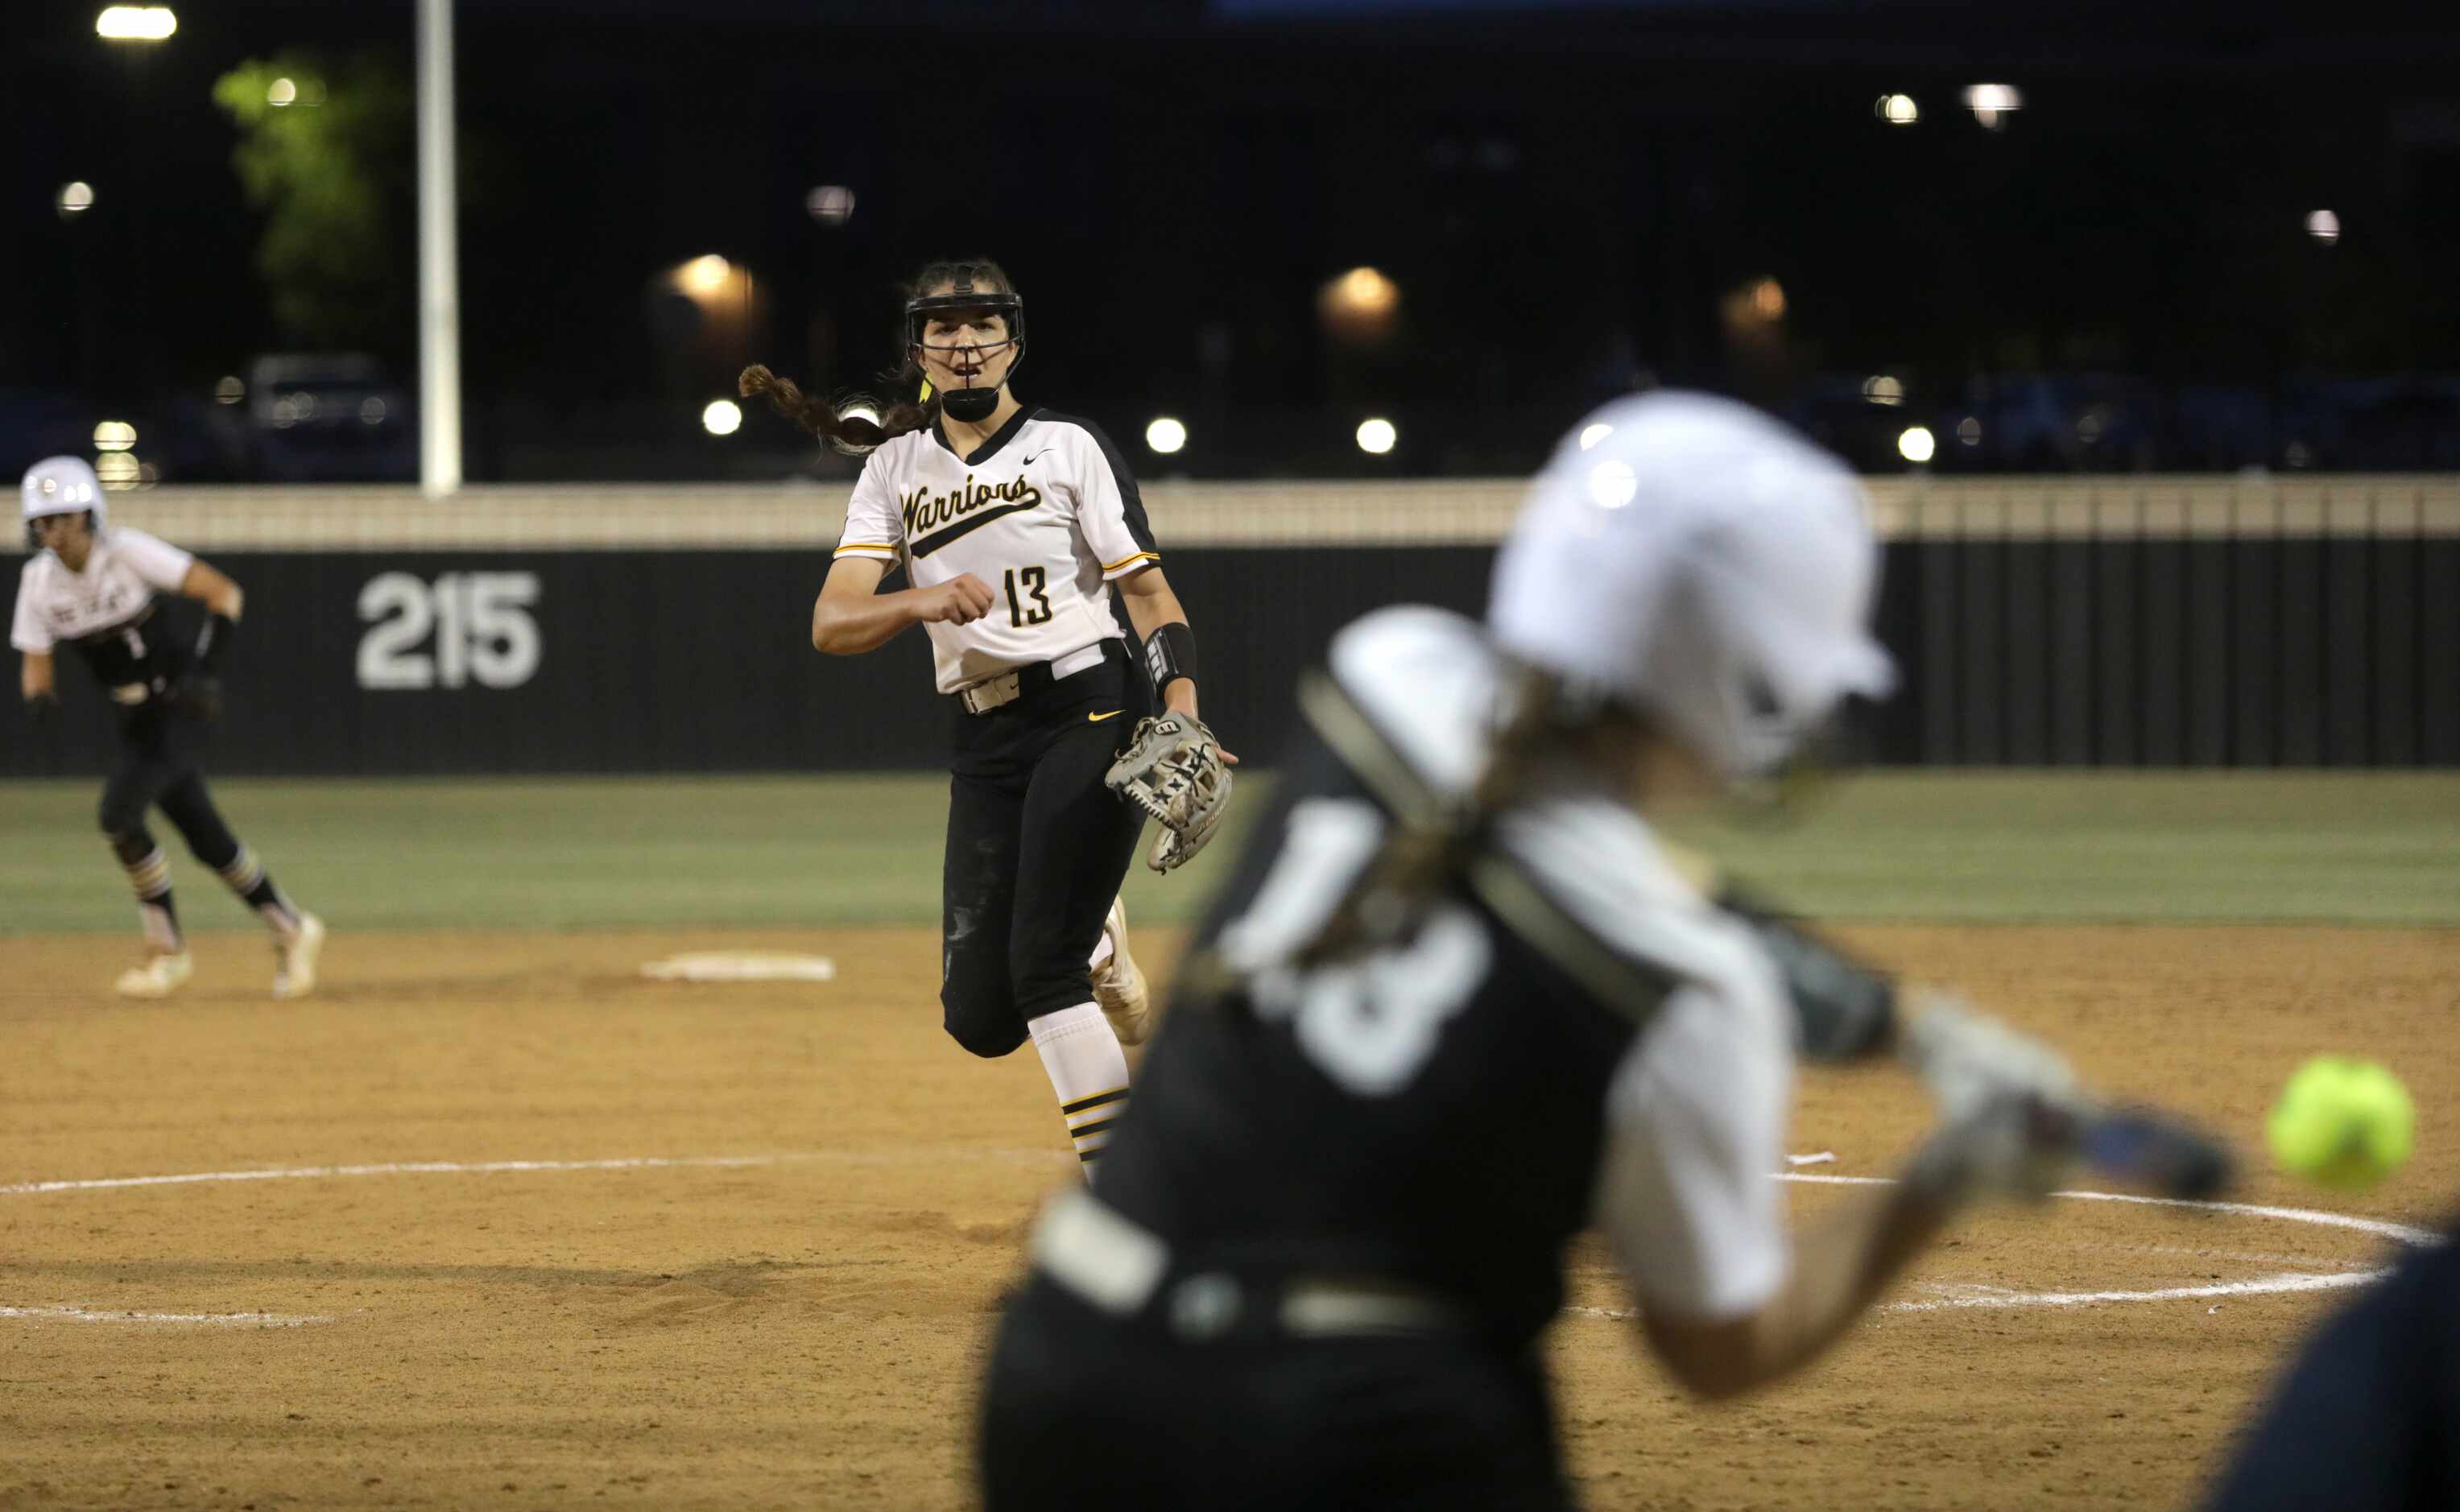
802,1329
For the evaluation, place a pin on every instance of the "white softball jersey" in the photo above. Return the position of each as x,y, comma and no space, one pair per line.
109,600
1044,513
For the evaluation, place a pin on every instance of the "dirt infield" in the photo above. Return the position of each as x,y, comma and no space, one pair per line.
740,1245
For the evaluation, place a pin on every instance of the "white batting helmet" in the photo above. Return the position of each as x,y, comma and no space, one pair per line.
1698,561
61,485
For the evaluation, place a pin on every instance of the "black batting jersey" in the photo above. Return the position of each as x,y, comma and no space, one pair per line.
1436,1113
106,611
1044,513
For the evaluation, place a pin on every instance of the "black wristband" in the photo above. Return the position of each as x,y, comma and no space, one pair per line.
1844,1008
213,640
1170,654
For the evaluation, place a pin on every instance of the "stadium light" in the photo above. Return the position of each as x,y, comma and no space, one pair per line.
1969,431
1165,436
830,204
707,273
1591,435
1377,437
75,198
1767,299
280,93
1361,307
2323,227
1991,102
1364,291
1917,445
1897,110
135,23
1882,390
722,417
113,436
229,390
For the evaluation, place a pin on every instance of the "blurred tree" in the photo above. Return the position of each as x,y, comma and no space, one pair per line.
325,152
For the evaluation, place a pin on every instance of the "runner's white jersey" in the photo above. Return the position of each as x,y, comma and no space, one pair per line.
1044,513
116,589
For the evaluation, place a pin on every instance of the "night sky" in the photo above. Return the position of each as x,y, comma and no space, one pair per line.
1569,203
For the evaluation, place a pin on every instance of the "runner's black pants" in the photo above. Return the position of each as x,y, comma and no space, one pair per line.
158,769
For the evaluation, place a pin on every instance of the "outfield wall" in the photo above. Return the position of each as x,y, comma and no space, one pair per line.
2162,622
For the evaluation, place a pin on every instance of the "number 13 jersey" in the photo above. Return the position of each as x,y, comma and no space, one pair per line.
1044,513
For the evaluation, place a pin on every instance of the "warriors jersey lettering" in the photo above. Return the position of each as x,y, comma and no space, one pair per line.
1044,513
105,610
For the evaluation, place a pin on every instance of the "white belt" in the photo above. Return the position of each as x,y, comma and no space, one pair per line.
1118,1266
980,698
984,697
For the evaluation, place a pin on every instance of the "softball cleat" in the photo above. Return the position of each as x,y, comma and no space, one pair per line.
297,973
1119,986
158,978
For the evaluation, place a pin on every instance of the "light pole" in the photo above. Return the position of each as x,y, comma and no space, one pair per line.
136,31
439,273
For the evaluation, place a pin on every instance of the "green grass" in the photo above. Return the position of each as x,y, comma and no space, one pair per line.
2208,847
584,852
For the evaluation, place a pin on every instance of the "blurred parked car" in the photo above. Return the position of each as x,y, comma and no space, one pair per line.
329,417
2405,423
173,438
37,423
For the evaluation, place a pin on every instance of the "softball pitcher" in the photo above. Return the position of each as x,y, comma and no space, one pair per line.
93,587
1011,523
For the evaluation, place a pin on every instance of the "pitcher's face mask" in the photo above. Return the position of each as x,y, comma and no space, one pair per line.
969,343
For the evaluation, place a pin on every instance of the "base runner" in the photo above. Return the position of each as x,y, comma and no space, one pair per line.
96,588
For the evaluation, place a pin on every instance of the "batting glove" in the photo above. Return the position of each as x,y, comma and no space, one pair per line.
2009,1106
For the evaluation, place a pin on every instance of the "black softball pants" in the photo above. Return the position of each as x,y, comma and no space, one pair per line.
1037,848
1085,1410
158,769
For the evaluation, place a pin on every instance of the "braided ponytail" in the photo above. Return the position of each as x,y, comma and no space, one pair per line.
835,421
841,421
1423,854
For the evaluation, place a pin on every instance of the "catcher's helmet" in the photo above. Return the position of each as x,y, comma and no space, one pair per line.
60,485
1701,563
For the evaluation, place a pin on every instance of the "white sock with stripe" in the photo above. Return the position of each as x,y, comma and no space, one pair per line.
151,880
1088,1070
246,877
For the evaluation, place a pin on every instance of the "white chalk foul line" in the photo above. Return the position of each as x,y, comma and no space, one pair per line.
2382,1227
81,1314
2295,1281
2256,1286
1992,1298
496,1168
387,1168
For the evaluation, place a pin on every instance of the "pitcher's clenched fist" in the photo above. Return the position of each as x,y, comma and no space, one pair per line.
962,599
